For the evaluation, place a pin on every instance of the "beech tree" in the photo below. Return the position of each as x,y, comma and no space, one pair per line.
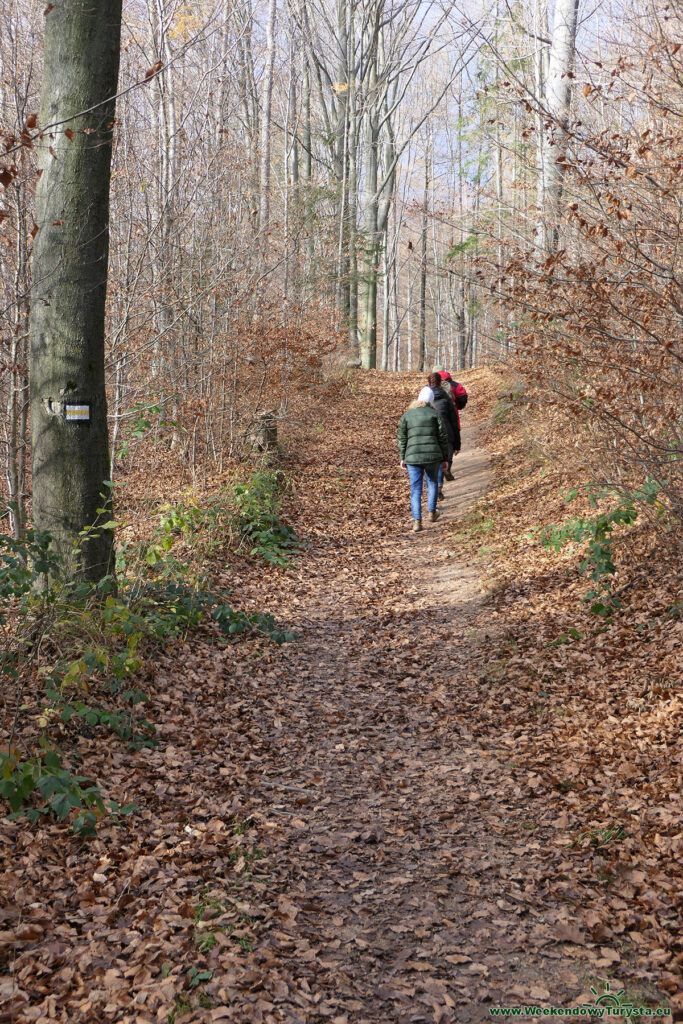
334,164
557,104
70,259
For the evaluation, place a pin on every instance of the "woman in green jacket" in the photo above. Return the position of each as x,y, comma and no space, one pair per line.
423,449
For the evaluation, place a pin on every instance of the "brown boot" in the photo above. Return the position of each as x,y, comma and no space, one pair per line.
433,516
417,525
441,495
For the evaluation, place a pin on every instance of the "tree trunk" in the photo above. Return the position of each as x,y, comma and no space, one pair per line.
439,357
264,191
368,276
291,168
70,259
340,161
409,317
386,299
423,267
540,16
165,264
557,102
353,198
307,173
461,320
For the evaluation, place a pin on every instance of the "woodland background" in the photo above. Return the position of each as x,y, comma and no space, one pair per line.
298,187
296,184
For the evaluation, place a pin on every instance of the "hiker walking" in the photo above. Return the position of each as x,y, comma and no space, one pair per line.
447,411
456,390
458,394
423,450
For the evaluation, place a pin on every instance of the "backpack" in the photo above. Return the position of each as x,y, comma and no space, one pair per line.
459,395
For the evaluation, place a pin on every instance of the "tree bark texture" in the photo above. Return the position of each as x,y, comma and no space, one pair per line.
422,352
368,276
557,103
264,207
70,258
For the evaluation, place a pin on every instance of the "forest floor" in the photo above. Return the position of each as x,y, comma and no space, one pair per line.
402,816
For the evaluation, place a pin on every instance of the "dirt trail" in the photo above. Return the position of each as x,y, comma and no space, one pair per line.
402,886
454,589
343,829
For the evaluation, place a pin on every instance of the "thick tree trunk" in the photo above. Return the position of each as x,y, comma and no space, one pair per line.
368,302
70,455
17,402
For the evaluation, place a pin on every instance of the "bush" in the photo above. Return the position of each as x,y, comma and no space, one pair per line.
598,532
88,641
258,520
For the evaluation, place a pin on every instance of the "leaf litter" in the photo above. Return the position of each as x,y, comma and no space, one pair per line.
411,814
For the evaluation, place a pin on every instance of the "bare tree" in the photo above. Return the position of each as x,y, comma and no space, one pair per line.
264,199
557,105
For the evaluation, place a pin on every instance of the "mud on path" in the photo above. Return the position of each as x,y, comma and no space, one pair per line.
402,885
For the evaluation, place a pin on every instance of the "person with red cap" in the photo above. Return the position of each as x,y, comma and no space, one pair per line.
458,395
443,403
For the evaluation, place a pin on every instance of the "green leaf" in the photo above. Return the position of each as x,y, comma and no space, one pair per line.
61,805
15,800
461,247
197,977
48,785
151,556
51,760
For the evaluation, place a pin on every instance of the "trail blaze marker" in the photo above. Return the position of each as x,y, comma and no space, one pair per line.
77,412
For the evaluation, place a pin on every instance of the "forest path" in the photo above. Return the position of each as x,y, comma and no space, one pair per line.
402,887
369,825
454,590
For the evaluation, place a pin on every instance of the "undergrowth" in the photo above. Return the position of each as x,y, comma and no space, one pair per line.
85,645
597,532
245,513
258,519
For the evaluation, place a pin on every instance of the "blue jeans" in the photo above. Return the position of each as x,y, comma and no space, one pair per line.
416,474
450,462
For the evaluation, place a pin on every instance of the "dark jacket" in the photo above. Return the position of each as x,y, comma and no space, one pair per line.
446,410
422,437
